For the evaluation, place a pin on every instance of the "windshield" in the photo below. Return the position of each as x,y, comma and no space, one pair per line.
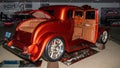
41,14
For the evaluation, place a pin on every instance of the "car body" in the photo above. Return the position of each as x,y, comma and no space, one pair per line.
57,29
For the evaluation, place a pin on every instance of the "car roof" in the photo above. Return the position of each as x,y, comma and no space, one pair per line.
60,7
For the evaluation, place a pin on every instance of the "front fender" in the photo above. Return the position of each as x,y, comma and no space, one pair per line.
101,29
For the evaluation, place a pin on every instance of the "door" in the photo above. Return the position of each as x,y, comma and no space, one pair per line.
78,18
90,26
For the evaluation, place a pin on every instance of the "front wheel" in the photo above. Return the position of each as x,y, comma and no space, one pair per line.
54,49
102,40
103,37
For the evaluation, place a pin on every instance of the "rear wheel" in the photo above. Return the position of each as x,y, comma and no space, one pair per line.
102,40
54,49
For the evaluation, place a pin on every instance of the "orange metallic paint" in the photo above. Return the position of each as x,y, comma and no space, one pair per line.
96,26
62,14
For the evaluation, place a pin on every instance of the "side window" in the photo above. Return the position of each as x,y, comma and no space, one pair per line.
69,14
90,15
79,13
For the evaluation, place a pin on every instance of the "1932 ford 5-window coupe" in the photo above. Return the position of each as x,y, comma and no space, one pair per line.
53,30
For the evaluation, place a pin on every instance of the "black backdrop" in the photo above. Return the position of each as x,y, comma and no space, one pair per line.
110,16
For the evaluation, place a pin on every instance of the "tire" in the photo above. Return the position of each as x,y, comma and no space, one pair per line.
54,50
103,37
102,40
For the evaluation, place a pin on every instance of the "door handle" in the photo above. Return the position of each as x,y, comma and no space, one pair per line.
86,24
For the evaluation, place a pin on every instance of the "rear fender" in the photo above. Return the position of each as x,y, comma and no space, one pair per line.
42,44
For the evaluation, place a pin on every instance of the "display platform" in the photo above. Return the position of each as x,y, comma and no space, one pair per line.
71,58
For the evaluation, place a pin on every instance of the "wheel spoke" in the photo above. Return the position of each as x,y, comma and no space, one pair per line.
51,55
57,55
105,35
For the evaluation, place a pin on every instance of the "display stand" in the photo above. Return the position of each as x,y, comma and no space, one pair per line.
52,65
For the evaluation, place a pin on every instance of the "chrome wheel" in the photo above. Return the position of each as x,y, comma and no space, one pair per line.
104,36
56,48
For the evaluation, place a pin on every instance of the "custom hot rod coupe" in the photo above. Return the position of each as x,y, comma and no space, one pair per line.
53,30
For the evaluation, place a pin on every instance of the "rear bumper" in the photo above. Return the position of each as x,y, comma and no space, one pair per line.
17,52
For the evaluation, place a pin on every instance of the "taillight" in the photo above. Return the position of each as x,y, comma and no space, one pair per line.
33,49
25,50
10,43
